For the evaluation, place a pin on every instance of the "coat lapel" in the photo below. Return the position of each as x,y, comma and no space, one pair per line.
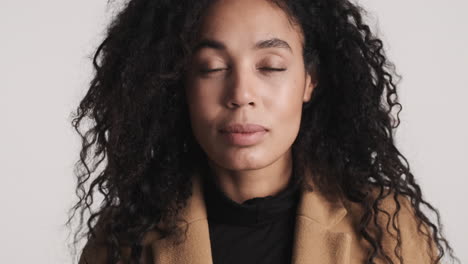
196,249
314,241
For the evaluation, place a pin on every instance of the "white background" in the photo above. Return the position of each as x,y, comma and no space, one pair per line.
45,70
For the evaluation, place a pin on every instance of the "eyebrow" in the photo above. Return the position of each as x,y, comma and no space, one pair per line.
262,44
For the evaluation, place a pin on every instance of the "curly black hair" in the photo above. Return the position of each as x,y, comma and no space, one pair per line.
140,125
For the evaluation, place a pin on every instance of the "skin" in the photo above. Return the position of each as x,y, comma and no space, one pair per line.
242,92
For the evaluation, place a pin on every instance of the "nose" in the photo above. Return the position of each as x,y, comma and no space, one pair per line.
241,88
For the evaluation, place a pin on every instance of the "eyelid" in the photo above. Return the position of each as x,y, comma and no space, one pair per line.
273,68
261,68
212,70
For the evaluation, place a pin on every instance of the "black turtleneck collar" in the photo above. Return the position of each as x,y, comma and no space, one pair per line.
252,212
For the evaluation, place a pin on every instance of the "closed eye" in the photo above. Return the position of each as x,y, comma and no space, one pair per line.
273,69
211,70
264,68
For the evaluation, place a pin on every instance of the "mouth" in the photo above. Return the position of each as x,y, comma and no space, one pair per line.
242,128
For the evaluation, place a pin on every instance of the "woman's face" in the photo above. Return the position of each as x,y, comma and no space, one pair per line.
247,69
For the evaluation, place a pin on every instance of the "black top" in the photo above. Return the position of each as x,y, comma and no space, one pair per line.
260,230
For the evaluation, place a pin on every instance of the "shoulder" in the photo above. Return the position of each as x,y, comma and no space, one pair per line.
96,251
96,248
388,215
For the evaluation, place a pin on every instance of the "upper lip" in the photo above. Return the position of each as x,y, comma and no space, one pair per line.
242,128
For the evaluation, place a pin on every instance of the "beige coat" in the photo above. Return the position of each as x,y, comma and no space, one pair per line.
325,234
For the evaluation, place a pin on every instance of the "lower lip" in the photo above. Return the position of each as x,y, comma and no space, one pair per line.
244,139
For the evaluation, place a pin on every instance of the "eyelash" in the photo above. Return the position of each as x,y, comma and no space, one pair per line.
264,68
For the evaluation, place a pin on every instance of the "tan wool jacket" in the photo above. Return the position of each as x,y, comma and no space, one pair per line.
326,233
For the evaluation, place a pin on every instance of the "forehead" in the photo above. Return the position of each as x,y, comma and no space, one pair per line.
246,23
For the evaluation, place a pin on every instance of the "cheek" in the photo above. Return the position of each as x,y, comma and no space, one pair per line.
203,111
288,116
286,110
286,104
201,102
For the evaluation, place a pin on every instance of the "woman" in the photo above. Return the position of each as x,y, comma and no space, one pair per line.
247,131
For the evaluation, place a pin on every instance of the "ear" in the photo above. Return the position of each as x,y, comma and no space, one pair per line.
310,84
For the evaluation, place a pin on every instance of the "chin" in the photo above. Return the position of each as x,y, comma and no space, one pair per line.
241,160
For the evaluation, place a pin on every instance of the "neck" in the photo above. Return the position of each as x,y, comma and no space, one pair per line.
242,185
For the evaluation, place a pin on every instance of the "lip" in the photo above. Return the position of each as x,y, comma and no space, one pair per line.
242,128
243,134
